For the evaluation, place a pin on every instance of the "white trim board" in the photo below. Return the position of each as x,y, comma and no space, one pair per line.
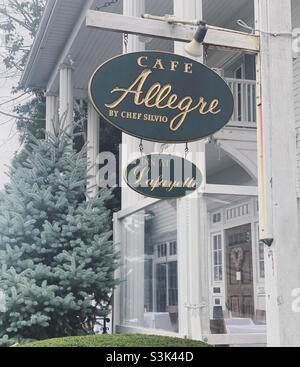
215,37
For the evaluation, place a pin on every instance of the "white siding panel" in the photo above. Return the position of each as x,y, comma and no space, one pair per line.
164,220
296,24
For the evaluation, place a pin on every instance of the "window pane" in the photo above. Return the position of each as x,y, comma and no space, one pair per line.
216,273
219,258
219,242
220,273
148,286
262,269
161,285
173,291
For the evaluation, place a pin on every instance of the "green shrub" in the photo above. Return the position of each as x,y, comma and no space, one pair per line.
117,340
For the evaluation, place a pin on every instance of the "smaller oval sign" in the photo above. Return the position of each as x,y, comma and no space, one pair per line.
163,176
161,97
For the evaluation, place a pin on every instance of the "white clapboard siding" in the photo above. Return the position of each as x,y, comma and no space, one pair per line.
296,24
164,219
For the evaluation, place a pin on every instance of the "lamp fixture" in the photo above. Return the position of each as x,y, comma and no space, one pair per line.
195,48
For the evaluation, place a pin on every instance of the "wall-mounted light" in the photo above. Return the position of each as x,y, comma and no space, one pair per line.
194,48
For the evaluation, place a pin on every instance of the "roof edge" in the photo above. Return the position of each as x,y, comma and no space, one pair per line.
42,29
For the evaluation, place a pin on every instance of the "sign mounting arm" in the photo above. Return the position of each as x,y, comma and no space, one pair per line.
216,37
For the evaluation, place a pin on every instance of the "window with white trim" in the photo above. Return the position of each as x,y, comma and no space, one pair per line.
217,257
261,259
216,217
238,211
166,276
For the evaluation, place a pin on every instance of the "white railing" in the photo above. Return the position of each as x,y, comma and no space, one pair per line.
244,93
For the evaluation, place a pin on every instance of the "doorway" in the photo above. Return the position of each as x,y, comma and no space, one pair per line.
239,272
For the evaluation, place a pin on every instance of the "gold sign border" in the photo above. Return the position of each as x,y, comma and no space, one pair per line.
139,136
161,197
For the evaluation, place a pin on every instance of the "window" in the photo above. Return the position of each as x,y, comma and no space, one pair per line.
166,276
238,211
173,248
261,259
238,238
162,250
217,257
148,268
216,218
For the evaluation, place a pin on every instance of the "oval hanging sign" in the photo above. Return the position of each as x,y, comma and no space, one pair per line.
161,96
163,176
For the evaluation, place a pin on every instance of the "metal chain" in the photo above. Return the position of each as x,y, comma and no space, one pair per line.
106,4
125,40
141,147
186,149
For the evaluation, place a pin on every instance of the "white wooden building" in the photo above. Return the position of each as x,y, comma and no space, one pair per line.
183,260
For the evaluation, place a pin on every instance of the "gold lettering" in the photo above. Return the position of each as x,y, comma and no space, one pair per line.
188,67
163,94
139,61
155,96
159,64
140,80
173,98
174,65
139,175
186,109
213,105
155,87
202,108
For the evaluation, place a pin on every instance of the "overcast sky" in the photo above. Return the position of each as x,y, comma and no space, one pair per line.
9,141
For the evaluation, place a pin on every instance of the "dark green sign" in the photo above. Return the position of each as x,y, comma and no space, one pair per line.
163,176
161,97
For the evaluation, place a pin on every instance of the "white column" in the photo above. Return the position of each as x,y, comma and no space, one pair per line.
134,261
130,144
277,171
51,112
66,96
134,8
93,137
193,295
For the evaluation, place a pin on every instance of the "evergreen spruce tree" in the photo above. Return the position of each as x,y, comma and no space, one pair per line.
56,255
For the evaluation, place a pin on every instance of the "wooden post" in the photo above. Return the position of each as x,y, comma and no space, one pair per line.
277,170
133,8
192,229
66,96
51,110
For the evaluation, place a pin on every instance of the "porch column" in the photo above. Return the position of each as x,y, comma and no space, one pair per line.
193,286
51,110
130,144
66,96
277,171
93,137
